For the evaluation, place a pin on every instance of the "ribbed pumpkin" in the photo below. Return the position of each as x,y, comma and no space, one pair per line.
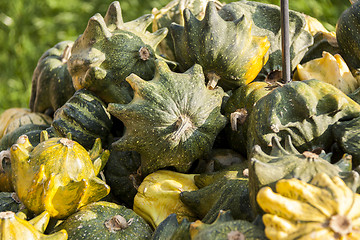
266,22
324,209
13,118
330,69
173,12
13,227
109,50
159,196
286,162
226,50
305,110
347,35
106,221
51,81
58,175
85,116
173,119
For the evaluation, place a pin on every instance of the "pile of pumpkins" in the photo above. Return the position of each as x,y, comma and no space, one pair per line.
187,131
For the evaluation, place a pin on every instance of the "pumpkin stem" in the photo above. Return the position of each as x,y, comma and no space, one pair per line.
310,155
67,142
340,224
117,223
213,80
144,53
182,125
7,215
67,53
239,116
235,235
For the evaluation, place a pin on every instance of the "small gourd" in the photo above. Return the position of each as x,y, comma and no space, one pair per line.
229,54
13,227
105,221
58,175
159,196
325,208
51,81
330,69
172,120
109,50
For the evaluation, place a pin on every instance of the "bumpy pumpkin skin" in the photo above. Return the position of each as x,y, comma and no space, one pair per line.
347,35
13,227
305,110
58,175
51,82
286,162
109,50
172,120
173,12
85,116
96,221
325,208
266,22
225,49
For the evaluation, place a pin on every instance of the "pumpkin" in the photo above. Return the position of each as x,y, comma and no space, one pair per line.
173,119
347,35
13,118
107,221
266,22
58,175
330,69
170,228
51,81
122,175
325,208
158,196
228,192
225,227
109,50
314,26
237,109
14,227
173,12
305,110
85,116
287,162
229,54
5,172
9,201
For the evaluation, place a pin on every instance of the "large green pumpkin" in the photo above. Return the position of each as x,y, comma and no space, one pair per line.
227,50
51,82
109,50
305,110
106,221
172,120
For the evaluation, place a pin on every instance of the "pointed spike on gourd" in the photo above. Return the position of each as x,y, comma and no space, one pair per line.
44,136
157,37
96,149
140,24
69,135
135,82
113,17
176,30
345,163
289,147
41,221
60,235
211,15
277,149
96,30
94,73
24,141
189,19
100,162
243,24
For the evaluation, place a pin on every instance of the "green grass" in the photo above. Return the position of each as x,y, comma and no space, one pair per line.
29,28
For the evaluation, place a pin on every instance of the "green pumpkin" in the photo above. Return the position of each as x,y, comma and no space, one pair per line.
225,227
173,12
266,22
122,175
347,35
109,50
106,221
51,81
171,229
10,202
226,190
305,110
287,162
226,50
172,121
85,116
237,109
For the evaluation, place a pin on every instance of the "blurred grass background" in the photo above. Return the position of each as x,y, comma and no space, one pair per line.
29,28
